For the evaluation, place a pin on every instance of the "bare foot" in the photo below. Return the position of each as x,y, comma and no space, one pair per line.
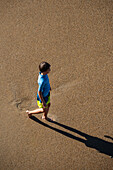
47,118
28,112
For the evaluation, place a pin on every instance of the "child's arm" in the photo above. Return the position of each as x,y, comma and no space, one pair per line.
42,99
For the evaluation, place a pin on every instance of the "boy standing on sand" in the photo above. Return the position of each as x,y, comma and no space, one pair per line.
43,94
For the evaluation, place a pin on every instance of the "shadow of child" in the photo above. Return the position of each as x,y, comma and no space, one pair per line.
100,145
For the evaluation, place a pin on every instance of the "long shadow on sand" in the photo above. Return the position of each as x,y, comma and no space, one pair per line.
100,145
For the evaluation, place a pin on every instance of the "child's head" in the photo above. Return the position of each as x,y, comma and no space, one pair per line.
44,66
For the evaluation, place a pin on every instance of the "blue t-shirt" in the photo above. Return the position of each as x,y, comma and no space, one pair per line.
44,85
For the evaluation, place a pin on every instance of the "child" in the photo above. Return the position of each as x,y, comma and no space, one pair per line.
43,94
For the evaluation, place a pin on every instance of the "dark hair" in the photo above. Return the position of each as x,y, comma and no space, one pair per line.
44,66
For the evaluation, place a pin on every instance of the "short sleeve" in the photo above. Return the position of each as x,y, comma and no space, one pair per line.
41,86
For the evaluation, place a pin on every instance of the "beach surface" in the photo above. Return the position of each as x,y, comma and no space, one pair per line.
75,37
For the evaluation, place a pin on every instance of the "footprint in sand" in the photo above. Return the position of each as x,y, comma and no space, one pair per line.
22,104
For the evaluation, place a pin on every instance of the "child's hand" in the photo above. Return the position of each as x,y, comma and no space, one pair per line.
44,104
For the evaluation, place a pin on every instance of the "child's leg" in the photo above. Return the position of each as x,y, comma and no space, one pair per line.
46,110
36,111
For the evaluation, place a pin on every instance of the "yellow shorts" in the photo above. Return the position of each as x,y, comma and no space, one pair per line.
40,105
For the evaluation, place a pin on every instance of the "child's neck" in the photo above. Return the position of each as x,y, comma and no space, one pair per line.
43,73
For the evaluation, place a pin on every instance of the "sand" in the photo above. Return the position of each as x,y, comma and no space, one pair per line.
75,37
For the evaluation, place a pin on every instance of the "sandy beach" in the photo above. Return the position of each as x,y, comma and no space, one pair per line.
75,37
